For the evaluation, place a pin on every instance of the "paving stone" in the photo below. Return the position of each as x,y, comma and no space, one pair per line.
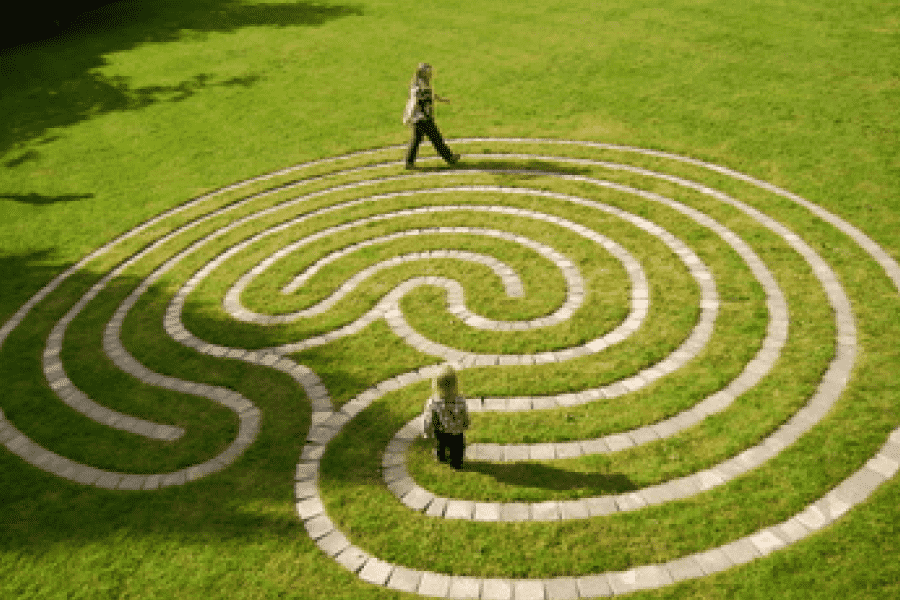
318,526
404,579
108,480
603,505
464,587
562,588
657,494
515,511
684,568
516,452
573,509
594,586
545,511
568,450
713,561
309,508
792,530
528,590
596,446
813,518
434,584
632,501
352,558
486,511
418,498
740,551
437,507
333,543
496,589
766,542
459,509
132,482
542,452
376,571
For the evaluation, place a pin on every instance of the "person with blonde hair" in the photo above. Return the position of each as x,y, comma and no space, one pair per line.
446,417
419,116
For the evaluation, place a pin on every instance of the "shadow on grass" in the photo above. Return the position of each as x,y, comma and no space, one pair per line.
39,199
55,83
250,500
538,475
529,168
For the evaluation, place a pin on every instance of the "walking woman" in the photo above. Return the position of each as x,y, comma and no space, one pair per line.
419,115
446,418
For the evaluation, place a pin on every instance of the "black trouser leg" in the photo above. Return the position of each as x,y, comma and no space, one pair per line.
442,446
415,138
431,130
457,445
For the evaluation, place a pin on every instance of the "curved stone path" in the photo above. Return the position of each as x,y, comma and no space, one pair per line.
327,423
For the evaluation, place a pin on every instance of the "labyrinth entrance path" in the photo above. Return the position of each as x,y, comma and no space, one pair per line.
653,348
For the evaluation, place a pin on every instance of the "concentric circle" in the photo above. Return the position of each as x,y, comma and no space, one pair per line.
588,277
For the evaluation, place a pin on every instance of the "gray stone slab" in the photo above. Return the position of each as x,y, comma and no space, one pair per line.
418,498
574,509
516,452
515,511
401,487
684,568
741,551
793,530
132,482
602,505
459,509
434,584
631,501
437,507
766,541
713,561
334,543
405,580
496,589
486,511
657,494
562,588
309,507
542,452
108,480
594,586
318,526
351,558
545,511
528,589
464,587
568,450
376,571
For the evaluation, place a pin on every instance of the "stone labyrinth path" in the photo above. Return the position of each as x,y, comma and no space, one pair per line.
575,246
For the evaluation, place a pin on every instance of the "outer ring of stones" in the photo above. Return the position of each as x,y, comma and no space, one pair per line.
816,516
327,423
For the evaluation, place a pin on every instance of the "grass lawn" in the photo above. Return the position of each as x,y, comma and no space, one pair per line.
142,107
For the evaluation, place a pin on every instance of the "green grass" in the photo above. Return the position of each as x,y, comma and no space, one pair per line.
145,106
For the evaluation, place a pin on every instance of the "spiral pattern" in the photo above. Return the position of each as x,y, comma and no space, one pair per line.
274,223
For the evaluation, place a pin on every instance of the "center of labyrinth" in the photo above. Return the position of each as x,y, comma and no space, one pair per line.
657,355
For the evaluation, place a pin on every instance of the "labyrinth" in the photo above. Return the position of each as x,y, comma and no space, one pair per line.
662,360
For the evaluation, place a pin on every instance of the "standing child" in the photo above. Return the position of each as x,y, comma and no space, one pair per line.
419,115
446,418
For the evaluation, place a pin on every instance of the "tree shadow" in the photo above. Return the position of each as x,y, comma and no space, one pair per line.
38,199
246,501
55,82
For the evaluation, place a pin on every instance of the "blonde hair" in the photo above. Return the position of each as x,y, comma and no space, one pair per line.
445,385
422,75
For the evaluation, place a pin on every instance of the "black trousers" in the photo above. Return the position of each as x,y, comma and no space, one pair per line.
419,130
453,444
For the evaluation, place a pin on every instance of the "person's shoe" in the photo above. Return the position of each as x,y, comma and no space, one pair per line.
454,159
410,167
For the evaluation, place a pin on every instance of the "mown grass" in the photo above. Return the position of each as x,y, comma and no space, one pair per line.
144,106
